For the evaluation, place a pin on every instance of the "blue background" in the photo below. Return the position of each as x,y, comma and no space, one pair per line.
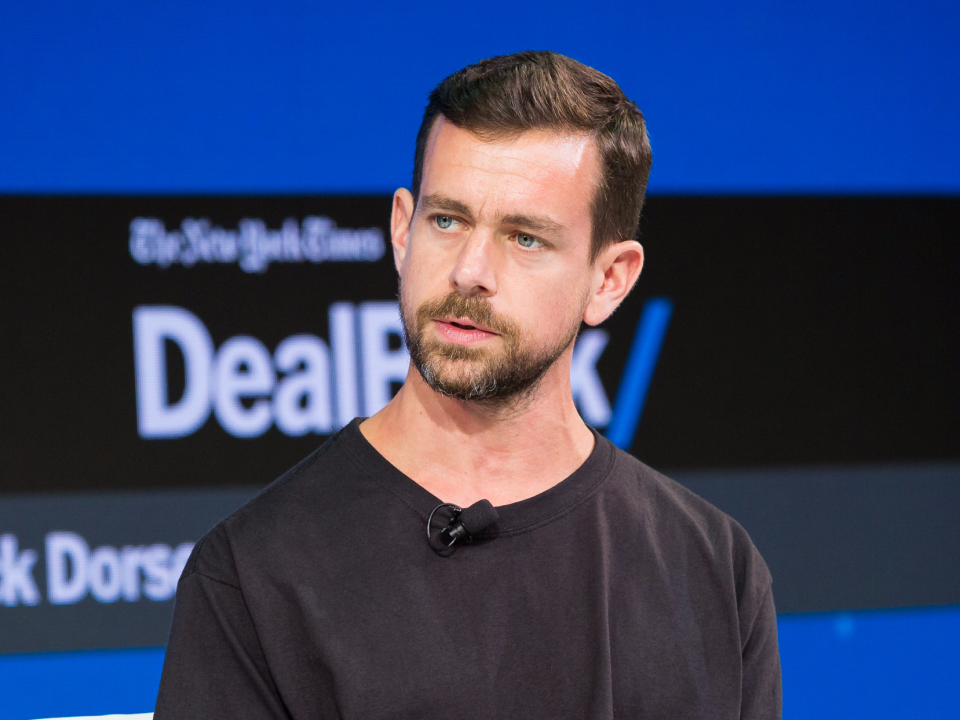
819,96
814,97
852,665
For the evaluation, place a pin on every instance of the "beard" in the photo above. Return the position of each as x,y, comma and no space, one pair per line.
493,376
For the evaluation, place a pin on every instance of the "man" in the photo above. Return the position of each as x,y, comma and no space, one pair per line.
598,588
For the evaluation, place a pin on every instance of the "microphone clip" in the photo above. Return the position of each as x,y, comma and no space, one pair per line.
453,531
463,524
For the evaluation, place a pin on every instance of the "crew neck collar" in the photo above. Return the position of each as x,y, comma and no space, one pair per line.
517,517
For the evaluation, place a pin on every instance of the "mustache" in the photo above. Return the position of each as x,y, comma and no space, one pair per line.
477,309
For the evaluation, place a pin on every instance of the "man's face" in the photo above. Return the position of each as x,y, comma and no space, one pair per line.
495,270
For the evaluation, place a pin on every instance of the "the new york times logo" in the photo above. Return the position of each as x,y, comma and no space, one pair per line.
252,246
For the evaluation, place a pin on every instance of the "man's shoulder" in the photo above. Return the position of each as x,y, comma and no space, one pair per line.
310,498
678,517
665,495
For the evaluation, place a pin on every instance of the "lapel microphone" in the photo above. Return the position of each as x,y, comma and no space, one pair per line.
464,524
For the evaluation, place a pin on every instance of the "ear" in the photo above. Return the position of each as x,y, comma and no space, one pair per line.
400,220
615,272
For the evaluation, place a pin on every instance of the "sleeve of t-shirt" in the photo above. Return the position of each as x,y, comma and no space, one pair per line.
214,666
761,695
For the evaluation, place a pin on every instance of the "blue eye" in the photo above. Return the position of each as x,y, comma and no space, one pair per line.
444,222
527,241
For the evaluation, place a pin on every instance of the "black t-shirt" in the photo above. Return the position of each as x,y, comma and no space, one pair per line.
616,593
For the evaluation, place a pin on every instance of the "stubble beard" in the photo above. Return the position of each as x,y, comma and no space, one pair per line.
495,377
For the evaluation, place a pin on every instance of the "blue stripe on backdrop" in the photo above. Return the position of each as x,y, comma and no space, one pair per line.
866,664
748,96
635,381
871,664
87,682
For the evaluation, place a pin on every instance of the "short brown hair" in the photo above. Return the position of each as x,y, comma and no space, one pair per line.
510,94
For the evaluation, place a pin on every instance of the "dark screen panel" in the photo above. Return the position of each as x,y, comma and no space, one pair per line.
805,331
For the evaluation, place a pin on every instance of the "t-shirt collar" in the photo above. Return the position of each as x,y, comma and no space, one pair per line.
516,517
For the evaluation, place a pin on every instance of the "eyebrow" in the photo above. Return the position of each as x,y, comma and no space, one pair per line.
531,222
441,202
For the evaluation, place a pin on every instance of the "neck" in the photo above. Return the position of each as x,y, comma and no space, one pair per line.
464,451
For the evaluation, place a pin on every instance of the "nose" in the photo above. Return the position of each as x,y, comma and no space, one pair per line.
474,273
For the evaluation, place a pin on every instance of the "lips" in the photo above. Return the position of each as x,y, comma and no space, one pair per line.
466,324
462,332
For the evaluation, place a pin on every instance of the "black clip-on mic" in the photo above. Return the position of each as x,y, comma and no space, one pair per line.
464,524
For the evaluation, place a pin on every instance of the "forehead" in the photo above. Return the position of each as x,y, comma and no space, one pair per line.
548,171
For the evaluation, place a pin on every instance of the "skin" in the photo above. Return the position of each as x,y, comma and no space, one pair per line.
534,190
